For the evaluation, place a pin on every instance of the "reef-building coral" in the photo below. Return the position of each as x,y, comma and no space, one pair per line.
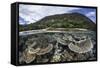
81,47
61,39
28,57
30,53
45,50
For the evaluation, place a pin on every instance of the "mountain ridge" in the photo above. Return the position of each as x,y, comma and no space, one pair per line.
68,20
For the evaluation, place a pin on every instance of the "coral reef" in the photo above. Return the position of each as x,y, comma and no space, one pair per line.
57,47
30,53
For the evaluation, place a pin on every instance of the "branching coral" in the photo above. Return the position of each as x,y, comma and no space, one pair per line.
56,58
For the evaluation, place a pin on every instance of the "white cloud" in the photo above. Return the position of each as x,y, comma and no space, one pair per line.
90,14
33,13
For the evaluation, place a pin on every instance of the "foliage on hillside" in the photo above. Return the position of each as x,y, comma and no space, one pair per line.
73,20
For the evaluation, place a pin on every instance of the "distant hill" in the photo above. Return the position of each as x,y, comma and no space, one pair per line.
70,20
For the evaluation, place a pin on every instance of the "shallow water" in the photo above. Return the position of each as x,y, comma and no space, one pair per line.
59,53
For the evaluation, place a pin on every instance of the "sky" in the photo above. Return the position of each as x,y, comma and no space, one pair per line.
33,13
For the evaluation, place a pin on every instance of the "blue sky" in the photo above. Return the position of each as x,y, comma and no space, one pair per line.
33,13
